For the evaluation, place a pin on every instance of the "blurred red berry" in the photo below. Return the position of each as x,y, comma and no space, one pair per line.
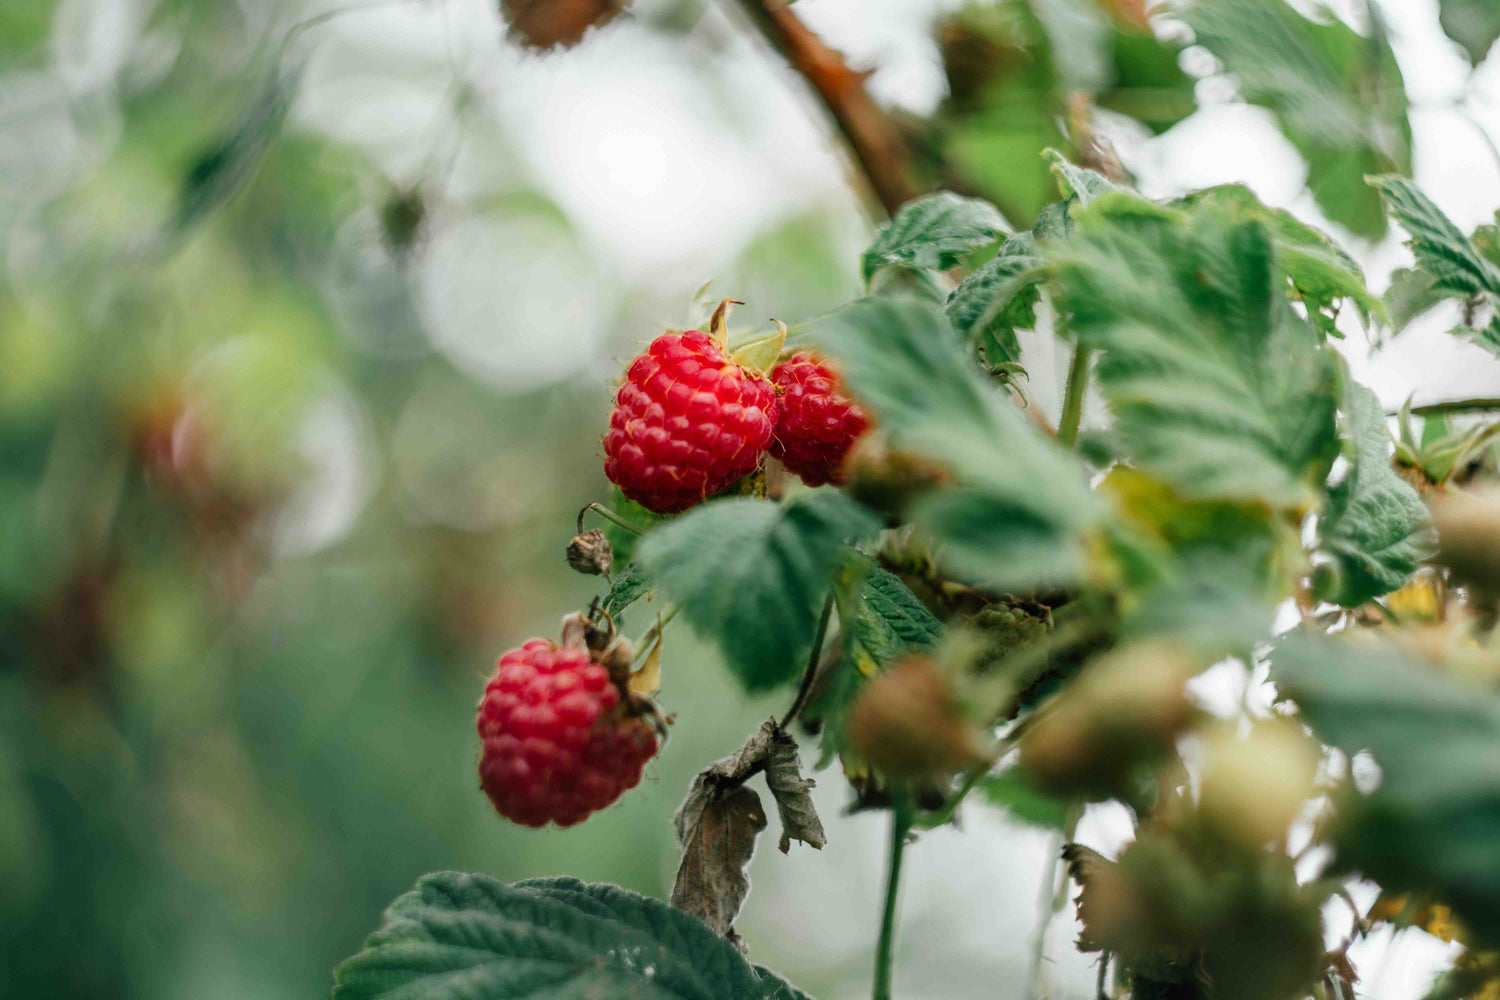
817,423
688,422
557,744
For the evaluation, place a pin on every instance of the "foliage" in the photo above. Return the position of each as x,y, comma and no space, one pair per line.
294,430
470,933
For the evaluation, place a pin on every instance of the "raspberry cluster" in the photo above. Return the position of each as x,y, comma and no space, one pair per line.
557,743
688,422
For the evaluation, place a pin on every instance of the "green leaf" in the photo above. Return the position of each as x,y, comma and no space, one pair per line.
1375,527
1014,793
934,233
880,620
1433,823
1079,183
1412,292
1020,507
1474,24
1457,267
629,586
1217,386
1322,272
752,575
998,298
470,937
1337,96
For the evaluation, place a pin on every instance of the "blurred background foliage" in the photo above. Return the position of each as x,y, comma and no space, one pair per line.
309,316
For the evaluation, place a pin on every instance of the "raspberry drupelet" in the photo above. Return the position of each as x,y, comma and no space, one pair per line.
688,422
557,743
817,422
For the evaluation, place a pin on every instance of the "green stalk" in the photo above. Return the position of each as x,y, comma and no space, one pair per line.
1078,383
900,826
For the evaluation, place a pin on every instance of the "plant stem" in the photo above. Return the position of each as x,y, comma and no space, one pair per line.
608,515
884,948
1459,405
644,643
800,702
1078,383
1046,906
877,143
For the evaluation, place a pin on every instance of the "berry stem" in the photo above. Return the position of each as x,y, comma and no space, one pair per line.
811,672
1072,411
644,642
609,516
1458,406
884,948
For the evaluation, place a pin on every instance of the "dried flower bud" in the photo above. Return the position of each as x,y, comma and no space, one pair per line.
591,553
907,723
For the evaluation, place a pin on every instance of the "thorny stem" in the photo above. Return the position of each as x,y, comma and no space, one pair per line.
884,948
800,702
873,136
1072,411
609,516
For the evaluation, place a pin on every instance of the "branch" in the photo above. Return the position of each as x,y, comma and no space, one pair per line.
871,133
1458,406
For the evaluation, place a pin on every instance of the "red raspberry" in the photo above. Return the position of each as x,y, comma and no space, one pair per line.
687,423
818,423
557,744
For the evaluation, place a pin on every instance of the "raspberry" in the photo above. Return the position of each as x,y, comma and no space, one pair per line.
687,423
818,423
557,743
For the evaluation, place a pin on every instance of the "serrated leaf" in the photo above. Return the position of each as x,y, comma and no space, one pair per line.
1217,386
1339,97
458,936
1473,24
1078,182
1375,527
629,586
1018,796
1433,822
1322,272
1019,507
751,575
880,621
934,233
1457,268
998,298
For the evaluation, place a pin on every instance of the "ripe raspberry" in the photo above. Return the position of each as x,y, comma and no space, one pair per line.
818,423
687,423
557,744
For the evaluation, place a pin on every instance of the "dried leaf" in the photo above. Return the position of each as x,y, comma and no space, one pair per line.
646,680
718,821
717,827
799,819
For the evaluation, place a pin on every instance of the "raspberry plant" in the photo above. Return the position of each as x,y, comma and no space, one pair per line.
969,606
